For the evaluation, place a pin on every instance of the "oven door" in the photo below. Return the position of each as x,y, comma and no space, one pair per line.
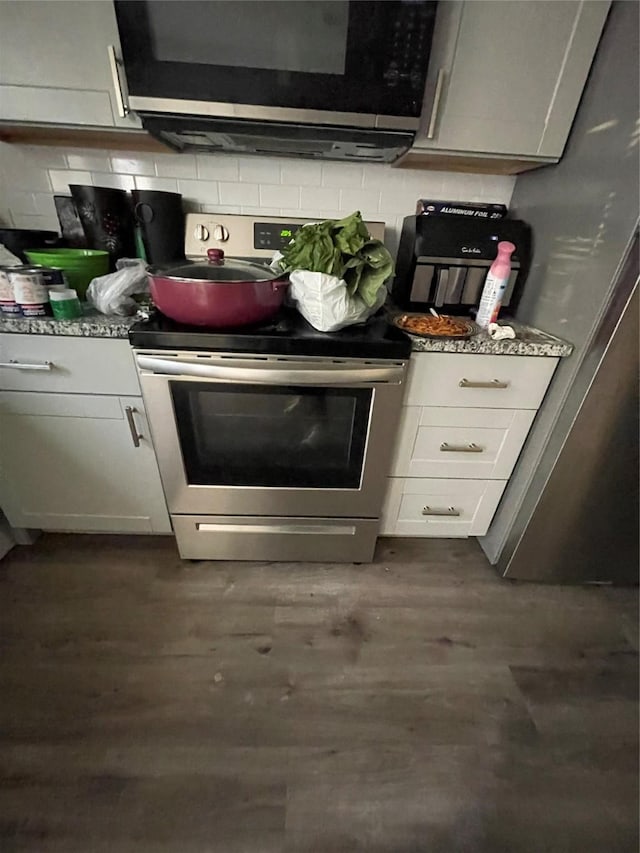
271,436
318,61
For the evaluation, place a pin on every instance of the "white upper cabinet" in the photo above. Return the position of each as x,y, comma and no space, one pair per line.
505,78
54,64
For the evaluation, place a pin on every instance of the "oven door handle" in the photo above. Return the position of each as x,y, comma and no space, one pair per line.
272,376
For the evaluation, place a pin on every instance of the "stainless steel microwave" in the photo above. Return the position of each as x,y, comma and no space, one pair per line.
316,78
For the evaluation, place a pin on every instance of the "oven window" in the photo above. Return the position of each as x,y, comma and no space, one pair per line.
274,437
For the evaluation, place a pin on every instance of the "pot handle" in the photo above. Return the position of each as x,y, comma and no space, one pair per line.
279,283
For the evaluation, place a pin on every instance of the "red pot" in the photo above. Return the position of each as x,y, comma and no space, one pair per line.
224,292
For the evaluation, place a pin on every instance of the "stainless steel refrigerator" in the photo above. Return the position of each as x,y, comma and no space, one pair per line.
570,512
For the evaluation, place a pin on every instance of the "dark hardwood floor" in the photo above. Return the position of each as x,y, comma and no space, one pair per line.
417,704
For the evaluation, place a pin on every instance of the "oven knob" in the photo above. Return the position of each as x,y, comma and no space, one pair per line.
220,233
201,233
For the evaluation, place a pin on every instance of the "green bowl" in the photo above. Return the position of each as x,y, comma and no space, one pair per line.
80,266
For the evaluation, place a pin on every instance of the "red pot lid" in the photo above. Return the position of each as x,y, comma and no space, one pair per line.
220,269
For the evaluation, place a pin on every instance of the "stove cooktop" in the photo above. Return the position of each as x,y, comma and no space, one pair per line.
288,333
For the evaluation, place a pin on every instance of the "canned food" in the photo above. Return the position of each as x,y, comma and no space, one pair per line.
8,304
30,291
52,277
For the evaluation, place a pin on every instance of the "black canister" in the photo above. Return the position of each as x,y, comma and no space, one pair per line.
160,218
107,220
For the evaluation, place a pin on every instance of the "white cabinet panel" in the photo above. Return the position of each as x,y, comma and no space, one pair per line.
478,381
77,365
440,507
69,462
511,75
460,443
54,66
57,106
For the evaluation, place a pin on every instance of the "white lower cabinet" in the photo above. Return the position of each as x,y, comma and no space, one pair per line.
462,429
419,506
79,462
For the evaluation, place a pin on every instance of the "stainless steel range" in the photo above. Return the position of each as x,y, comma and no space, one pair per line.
273,443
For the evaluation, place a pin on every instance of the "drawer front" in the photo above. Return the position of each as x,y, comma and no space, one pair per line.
482,444
67,364
478,381
217,537
438,507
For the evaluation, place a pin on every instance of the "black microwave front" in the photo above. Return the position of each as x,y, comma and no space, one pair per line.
330,62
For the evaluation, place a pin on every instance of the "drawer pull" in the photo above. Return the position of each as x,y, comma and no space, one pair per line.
26,365
461,448
493,383
435,510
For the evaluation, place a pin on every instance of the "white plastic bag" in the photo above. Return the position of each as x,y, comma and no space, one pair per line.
324,302
111,294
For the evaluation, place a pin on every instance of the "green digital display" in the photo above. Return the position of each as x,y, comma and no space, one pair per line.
272,235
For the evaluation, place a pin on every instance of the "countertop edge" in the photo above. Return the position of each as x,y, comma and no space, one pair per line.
530,342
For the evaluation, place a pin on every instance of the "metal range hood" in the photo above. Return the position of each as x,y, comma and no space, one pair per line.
197,133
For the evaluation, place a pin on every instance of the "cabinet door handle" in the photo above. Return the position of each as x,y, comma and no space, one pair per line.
121,99
492,383
472,447
436,104
27,365
135,435
440,510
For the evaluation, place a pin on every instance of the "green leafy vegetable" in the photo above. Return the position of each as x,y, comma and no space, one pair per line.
345,249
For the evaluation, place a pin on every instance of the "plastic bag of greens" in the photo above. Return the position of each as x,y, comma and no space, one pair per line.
337,272
324,301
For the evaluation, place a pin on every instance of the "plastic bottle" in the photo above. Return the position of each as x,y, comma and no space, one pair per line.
495,285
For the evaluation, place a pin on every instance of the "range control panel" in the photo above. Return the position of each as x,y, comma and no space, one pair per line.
246,236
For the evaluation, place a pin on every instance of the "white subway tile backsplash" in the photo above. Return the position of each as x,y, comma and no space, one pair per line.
423,185
176,166
294,212
216,167
279,196
60,180
398,200
89,162
342,175
361,199
320,199
377,176
243,194
20,203
133,165
37,221
249,210
43,157
221,208
24,176
44,204
301,173
216,183
257,170
169,185
205,192
109,179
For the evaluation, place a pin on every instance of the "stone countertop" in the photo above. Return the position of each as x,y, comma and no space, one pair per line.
90,325
529,341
